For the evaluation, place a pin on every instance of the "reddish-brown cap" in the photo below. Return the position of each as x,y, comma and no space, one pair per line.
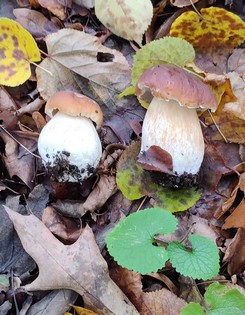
75,104
169,82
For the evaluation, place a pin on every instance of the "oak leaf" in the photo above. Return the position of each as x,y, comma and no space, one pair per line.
79,266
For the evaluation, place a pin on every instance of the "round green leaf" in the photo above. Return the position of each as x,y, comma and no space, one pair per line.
192,308
201,262
131,241
224,301
170,50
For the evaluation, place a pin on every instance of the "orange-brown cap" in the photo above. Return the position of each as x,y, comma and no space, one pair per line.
75,104
169,82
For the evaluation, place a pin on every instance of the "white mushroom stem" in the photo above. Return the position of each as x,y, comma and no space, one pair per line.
73,138
177,130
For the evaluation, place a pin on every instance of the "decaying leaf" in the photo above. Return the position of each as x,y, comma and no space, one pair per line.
57,7
18,161
134,182
79,266
162,302
125,18
105,70
17,49
35,22
235,253
218,28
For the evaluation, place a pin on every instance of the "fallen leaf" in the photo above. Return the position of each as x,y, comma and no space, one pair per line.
236,61
18,161
162,302
235,253
237,218
65,229
89,4
217,28
79,266
17,49
55,303
125,18
35,22
57,7
82,311
8,110
79,52
129,282
135,182
237,108
182,3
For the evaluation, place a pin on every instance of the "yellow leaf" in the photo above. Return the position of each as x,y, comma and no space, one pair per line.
17,49
83,311
217,28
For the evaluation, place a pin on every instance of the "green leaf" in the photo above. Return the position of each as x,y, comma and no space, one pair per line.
192,308
224,301
131,241
125,18
128,91
201,262
170,50
171,199
135,183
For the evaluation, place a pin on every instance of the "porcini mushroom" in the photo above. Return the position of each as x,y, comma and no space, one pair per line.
172,145
69,144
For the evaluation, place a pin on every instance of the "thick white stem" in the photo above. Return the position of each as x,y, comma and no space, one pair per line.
177,130
75,139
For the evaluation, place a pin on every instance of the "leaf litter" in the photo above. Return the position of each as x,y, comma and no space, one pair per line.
80,54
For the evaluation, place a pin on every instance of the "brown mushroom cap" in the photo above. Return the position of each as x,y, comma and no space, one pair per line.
74,104
169,82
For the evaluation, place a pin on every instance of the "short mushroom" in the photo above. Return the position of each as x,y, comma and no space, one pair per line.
172,145
69,144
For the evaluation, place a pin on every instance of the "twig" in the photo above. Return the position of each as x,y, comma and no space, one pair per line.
19,143
222,135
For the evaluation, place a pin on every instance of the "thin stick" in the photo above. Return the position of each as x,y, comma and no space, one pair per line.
222,135
38,66
141,204
12,137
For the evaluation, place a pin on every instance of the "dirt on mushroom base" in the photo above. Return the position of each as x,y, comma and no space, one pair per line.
182,181
61,169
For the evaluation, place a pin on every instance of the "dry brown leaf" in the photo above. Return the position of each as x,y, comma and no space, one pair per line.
237,218
235,253
18,161
105,70
162,302
57,7
61,79
8,109
129,282
240,168
66,229
236,61
104,189
35,22
79,266
55,303
237,107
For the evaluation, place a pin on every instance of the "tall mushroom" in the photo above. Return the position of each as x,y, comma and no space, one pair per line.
69,144
172,140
